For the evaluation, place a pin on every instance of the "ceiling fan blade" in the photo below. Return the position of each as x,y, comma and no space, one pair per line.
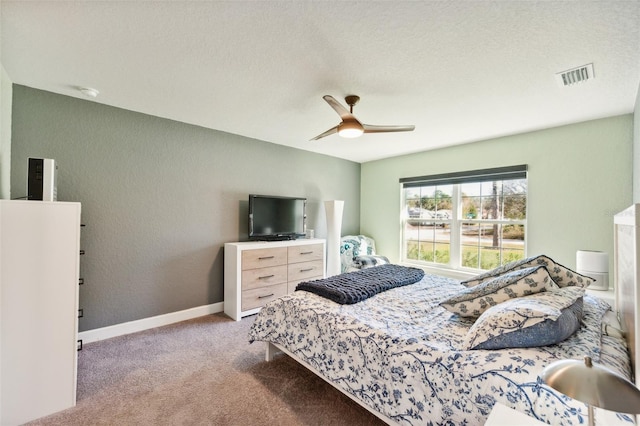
327,133
337,106
368,128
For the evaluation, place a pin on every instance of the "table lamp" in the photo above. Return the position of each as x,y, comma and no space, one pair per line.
593,384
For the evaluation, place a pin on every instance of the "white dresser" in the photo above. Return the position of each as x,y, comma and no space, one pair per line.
39,265
257,272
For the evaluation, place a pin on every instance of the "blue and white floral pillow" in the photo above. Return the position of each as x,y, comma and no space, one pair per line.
538,320
473,301
352,246
560,274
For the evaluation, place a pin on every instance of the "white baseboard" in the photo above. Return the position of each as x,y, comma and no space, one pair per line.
147,323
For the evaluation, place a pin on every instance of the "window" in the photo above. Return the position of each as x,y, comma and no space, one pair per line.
465,220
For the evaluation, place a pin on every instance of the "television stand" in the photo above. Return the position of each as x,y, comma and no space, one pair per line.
277,238
256,272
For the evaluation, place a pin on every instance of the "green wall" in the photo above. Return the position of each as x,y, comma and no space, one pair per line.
579,177
160,198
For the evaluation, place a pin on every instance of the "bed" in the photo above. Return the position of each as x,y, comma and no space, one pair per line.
404,357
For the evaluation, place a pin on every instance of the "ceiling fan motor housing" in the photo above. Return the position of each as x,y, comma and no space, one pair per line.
351,100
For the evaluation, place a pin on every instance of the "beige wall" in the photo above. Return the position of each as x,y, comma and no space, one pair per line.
579,177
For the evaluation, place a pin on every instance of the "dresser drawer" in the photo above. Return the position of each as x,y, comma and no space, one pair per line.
257,297
261,277
306,253
305,270
259,258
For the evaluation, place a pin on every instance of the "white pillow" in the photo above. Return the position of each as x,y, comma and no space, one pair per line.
473,301
560,274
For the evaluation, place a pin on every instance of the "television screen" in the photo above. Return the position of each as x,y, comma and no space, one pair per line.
273,217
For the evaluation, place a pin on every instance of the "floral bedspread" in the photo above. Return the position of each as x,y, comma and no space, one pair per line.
401,354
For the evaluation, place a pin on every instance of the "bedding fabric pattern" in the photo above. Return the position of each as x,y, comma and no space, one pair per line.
403,355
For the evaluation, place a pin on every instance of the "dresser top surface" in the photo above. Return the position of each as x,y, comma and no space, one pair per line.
269,244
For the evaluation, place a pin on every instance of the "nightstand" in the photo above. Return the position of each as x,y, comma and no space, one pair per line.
501,415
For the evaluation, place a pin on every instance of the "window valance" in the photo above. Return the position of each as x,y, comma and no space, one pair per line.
482,175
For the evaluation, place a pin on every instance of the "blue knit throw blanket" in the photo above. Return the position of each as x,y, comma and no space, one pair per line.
355,287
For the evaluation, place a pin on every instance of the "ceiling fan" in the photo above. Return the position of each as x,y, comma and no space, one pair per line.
351,127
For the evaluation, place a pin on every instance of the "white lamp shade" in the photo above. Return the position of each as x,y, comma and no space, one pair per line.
350,129
334,210
593,384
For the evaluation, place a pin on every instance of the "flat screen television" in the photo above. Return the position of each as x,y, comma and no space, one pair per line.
276,218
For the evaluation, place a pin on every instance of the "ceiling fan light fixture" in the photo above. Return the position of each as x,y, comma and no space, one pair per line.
350,129
350,126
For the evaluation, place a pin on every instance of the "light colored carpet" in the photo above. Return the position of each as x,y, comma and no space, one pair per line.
200,372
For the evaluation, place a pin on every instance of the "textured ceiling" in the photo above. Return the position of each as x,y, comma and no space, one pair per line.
460,71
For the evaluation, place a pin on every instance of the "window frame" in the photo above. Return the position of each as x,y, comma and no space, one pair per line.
456,222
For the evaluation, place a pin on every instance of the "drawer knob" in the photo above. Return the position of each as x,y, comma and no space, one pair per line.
264,277
265,257
306,252
306,270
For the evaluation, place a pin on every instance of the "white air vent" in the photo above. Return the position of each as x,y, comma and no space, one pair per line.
575,75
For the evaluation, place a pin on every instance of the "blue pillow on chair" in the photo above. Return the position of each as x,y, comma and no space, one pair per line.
352,246
363,262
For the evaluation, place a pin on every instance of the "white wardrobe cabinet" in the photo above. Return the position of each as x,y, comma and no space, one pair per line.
39,267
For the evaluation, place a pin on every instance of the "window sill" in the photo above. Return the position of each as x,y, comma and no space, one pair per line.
608,296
